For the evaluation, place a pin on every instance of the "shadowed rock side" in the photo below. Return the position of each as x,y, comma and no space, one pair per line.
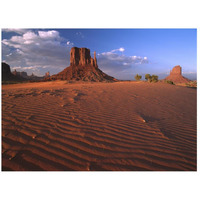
82,68
176,75
7,75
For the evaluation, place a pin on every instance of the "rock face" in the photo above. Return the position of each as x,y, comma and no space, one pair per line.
7,75
82,67
177,70
176,75
81,56
5,69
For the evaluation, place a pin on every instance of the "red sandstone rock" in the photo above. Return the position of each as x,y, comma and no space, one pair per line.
176,75
81,56
177,70
82,67
95,60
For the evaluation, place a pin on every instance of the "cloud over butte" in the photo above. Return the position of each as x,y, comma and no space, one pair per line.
36,50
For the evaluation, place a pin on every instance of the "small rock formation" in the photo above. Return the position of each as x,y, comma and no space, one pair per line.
47,74
176,75
7,75
82,67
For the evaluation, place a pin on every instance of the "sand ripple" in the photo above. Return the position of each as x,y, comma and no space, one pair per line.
101,126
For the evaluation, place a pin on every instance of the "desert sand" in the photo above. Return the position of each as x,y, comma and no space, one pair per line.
121,126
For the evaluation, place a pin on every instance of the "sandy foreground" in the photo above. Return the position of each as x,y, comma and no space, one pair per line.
119,126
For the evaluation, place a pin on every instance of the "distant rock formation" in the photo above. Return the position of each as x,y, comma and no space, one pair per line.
82,67
47,74
33,77
7,75
176,75
22,74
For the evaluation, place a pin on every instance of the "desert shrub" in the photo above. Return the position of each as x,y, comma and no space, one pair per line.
148,77
191,84
137,77
169,82
154,78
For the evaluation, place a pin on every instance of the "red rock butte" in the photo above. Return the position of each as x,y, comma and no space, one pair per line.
82,68
176,75
81,56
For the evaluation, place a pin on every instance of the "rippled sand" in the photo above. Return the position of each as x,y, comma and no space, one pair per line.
98,126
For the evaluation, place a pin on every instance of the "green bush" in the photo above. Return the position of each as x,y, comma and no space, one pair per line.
169,82
137,77
154,78
191,84
148,77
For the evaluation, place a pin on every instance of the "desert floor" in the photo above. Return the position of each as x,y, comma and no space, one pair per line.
120,126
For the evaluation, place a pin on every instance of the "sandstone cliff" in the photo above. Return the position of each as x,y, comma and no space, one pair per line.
82,67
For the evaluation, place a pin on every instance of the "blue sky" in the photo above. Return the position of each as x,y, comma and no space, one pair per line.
121,53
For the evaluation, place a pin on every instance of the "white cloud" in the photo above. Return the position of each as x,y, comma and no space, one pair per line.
29,36
20,52
10,54
70,43
31,67
115,63
112,56
28,42
49,34
15,30
16,39
121,49
33,50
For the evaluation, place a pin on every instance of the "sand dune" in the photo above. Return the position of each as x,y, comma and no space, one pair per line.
98,126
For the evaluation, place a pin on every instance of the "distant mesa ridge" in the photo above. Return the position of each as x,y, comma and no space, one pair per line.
176,75
82,68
